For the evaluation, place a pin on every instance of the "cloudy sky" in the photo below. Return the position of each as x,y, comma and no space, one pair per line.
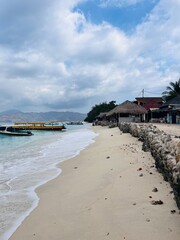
58,55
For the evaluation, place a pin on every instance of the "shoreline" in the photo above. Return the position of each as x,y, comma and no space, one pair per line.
104,192
20,202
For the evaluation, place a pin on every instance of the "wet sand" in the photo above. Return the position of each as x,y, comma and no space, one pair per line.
108,191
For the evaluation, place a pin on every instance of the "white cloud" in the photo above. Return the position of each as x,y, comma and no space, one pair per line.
158,37
64,62
119,3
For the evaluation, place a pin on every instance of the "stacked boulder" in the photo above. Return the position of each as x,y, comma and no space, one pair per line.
164,149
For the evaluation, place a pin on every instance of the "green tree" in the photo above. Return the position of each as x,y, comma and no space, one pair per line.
100,108
172,90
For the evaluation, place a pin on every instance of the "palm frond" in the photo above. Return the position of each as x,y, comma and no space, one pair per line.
172,90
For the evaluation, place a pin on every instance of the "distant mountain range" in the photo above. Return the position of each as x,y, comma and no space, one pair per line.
12,116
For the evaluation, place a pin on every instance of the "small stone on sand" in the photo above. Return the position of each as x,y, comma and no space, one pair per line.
155,190
158,202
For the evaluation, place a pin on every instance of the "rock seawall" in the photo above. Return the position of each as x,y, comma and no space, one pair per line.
164,150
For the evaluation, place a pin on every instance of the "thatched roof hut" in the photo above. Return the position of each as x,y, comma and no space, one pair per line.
102,115
112,112
127,107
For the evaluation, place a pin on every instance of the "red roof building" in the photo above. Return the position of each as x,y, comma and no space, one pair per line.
150,103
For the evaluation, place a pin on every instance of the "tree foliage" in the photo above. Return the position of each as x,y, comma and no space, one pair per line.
172,90
100,108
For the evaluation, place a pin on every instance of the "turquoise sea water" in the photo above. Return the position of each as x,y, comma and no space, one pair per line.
28,162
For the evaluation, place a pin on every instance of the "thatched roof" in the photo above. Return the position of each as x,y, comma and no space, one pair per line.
101,115
113,111
127,107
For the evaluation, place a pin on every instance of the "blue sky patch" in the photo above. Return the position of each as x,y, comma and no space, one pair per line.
125,18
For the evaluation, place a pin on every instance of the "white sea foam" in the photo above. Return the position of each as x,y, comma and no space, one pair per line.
30,165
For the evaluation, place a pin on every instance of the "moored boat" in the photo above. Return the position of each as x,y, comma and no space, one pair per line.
11,131
75,123
56,126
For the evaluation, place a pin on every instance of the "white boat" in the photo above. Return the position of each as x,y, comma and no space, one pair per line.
9,130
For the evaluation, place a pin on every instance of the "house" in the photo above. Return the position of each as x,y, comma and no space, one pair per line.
101,116
127,111
101,119
171,110
151,104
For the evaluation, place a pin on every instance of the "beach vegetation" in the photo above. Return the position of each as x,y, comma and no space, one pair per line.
99,108
172,90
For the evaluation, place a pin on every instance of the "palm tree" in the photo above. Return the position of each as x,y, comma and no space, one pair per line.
172,90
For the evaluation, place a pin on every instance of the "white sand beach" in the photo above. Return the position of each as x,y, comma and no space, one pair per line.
172,129
105,192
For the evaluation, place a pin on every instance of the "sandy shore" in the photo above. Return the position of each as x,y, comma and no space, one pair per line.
172,129
105,193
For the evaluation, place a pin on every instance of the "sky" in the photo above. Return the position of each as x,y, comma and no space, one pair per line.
70,55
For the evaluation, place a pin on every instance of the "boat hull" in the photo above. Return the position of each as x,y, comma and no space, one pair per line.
39,126
16,133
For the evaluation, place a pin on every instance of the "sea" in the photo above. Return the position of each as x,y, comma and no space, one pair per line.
28,162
